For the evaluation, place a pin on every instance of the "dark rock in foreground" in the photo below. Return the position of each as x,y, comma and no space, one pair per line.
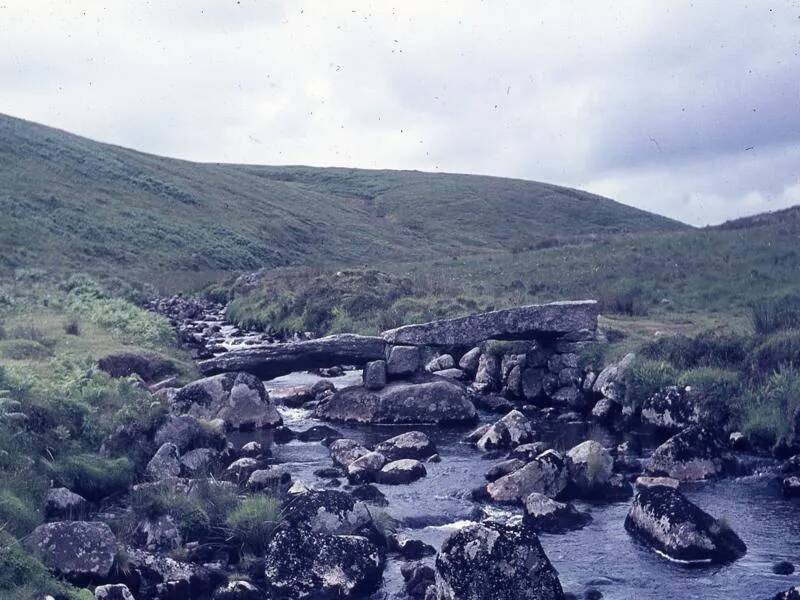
501,562
511,323
280,359
80,551
434,400
662,518
301,564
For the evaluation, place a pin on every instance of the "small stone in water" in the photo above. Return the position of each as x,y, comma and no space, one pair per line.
783,567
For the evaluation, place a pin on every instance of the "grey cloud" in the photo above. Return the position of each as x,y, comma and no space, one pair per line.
653,105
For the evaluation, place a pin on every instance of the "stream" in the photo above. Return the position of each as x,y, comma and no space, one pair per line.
602,555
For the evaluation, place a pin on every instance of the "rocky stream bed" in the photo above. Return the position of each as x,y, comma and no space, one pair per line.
473,458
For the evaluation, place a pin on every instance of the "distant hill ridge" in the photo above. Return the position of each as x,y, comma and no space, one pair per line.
72,203
773,217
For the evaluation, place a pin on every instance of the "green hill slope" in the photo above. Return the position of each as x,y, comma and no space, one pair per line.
72,203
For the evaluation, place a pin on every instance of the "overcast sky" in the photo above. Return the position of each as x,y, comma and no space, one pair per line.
688,109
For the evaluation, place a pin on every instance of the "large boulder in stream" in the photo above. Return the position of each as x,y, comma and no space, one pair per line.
790,594
412,444
590,467
510,431
239,399
666,521
693,454
268,362
543,514
546,474
429,399
79,551
512,323
491,560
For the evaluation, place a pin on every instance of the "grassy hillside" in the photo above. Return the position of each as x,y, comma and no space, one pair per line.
712,275
72,203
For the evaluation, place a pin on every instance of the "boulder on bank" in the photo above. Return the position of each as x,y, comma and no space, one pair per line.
60,504
160,576
610,383
670,409
665,520
512,323
79,551
165,464
434,400
187,433
695,453
790,594
117,591
412,444
239,399
150,367
491,560
543,514
546,474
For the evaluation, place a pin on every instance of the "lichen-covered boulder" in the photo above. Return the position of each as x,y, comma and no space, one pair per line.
510,431
670,409
543,514
330,512
344,451
440,363
491,560
666,521
610,383
188,432
160,576
165,463
60,504
117,591
200,461
365,468
426,400
79,551
412,444
238,590
693,454
402,361
239,399
590,468
374,375
303,564
546,474
487,377
469,361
